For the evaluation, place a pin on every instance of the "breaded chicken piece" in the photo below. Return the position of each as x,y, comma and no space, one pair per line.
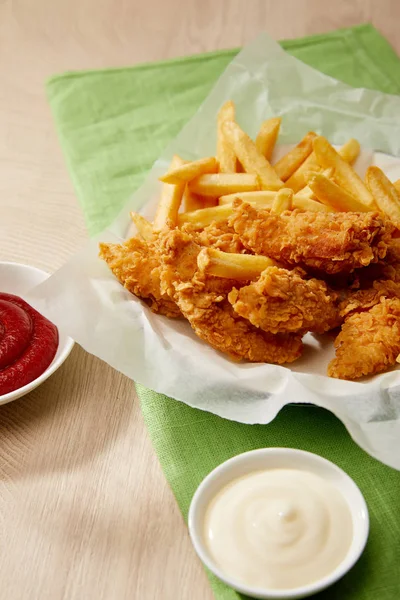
392,272
367,298
217,235
203,301
393,252
281,301
369,342
330,242
136,265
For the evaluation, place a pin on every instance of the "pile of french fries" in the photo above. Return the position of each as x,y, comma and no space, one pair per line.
312,176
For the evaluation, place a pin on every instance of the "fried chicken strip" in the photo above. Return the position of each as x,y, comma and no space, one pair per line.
136,266
365,299
393,252
219,235
330,242
282,301
369,342
203,301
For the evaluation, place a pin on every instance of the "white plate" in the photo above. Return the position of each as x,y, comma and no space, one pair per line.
279,458
16,278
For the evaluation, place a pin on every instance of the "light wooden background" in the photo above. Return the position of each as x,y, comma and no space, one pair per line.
85,512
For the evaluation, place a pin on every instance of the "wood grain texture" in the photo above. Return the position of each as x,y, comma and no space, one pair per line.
85,512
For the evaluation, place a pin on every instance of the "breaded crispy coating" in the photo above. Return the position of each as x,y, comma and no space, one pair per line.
329,242
369,341
281,301
135,264
216,235
203,302
367,298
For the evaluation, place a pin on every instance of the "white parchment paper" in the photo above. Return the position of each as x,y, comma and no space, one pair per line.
85,300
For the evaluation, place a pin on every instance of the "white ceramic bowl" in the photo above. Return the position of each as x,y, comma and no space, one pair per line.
279,458
17,279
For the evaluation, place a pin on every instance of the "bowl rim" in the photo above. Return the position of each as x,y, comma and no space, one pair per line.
340,570
64,350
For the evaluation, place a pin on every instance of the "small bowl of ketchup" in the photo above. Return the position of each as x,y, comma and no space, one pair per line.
31,347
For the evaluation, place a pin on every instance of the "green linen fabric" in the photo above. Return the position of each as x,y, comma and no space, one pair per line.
112,125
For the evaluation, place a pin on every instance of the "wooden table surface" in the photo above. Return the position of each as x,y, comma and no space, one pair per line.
85,510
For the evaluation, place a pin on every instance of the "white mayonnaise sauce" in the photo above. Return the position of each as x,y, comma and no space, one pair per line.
278,529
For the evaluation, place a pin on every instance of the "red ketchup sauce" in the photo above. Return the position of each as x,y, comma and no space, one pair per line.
28,343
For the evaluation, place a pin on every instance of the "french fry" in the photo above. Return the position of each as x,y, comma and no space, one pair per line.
384,192
267,136
189,170
287,165
305,192
252,161
344,174
171,198
205,216
327,173
264,197
224,183
282,201
191,201
144,227
232,266
397,185
300,177
349,152
208,202
334,196
225,155
304,203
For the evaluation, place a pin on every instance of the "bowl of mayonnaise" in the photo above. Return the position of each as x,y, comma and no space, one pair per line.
278,523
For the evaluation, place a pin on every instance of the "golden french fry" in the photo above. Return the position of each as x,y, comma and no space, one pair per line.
225,154
334,196
189,170
306,204
384,192
310,174
282,201
208,202
232,266
397,185
287,165
252,161
305,192
144,227
170,201
267,136
327,172
264,197
349,152
205,216
344,174
300,177
191,201
224,183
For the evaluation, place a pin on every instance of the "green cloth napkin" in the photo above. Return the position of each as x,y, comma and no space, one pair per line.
112,125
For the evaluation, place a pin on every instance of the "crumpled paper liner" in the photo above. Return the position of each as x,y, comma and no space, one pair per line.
85,300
